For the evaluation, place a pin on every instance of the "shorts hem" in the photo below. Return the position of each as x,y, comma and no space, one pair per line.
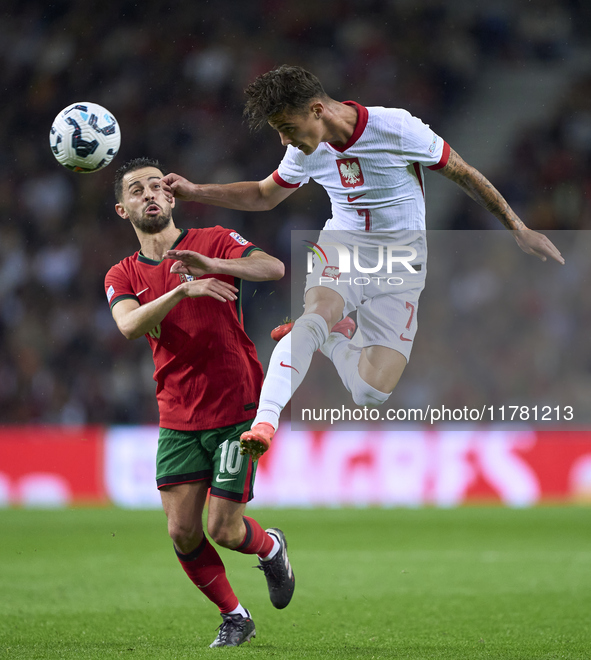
384,343
229,495
178,479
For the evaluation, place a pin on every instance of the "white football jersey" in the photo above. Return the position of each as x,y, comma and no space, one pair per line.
375,182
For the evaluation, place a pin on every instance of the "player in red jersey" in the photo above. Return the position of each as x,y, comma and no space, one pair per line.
369,161
208,385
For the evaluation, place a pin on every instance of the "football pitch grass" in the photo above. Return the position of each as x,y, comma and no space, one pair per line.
473,582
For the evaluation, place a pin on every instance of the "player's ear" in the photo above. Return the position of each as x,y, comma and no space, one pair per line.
317,109
120,210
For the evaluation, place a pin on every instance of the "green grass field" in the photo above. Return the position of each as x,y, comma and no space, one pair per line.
478,582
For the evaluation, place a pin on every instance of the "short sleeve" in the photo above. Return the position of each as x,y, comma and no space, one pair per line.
229,244
291,172
117,286
421,145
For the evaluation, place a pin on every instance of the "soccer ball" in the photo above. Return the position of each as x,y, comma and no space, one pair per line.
85,137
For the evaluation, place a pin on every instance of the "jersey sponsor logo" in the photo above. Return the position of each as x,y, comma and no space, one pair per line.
236,236
186,278
350,198
225,479
350,172
331,271
142,291
110,293
403,338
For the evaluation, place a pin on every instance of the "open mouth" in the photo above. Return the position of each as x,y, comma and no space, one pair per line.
153,209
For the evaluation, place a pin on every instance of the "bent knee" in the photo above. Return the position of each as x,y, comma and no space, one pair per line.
326,303
331,315
363,399
365,395
224,533
186,538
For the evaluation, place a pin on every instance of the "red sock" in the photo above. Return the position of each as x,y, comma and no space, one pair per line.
206,570
256,541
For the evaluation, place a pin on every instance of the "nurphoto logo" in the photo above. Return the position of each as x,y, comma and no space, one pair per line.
365,260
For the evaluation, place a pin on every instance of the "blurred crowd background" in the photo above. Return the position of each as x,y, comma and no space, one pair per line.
173,73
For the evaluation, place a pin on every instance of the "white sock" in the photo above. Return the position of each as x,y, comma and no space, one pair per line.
239,610
366,395
345,357
289,364
276,546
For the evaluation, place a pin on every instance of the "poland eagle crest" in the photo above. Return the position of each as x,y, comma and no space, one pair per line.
350,172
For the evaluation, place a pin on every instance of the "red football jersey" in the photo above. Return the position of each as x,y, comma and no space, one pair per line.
206,367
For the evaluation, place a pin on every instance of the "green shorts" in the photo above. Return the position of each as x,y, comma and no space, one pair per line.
213,455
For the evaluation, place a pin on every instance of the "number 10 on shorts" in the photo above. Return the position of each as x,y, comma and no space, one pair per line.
231,459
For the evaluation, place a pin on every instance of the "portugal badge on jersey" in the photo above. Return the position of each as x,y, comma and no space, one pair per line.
350,172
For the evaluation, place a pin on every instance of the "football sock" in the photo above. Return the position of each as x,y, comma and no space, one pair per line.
274,551
366,395
256,541
345,357
289,364
238,610
206,570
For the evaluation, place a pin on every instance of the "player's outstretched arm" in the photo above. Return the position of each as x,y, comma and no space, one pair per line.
135,320
481,190
243,196
256,267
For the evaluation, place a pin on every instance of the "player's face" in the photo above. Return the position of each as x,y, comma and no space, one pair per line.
144,202
303,130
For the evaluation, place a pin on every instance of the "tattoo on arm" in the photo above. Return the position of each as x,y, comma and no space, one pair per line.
481,190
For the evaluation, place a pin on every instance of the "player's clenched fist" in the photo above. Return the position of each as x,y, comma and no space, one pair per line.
210,286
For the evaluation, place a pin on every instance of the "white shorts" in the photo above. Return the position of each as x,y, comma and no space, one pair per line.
379,274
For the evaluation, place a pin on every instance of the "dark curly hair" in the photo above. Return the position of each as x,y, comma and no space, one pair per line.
286,88
131,166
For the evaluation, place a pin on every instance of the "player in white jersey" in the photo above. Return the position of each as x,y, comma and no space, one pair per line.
371,188
369,161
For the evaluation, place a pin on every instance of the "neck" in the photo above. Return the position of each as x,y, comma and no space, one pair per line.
153,246
340,123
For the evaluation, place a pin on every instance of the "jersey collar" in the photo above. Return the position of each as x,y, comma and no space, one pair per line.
152,262
362,116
